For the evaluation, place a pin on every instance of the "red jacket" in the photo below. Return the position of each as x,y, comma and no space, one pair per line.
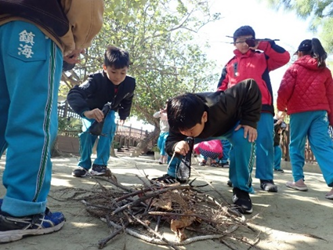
305,87
255,65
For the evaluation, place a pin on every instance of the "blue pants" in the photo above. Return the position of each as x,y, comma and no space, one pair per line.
313,125
87,141
226,146
161,142
277,157
30,71
242,155
264,147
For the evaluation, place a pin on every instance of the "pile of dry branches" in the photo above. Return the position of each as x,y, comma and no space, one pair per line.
143,210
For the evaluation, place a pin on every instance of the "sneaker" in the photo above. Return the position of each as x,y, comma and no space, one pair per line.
225,165
14,228
268,186
296,186
242,201
167,179
80,172
202,163
99,170
329,195
229,183
279,170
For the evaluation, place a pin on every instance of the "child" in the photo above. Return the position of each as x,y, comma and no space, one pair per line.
209,149
164,127
249,62
306,94
226,146
232,114
111,85
35,37
279,127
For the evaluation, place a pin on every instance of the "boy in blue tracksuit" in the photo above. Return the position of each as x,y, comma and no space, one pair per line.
232,114
112,85
35,37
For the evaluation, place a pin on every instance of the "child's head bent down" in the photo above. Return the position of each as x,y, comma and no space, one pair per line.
187,114
116,64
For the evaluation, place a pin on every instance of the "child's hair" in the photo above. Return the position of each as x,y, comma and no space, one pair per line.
314,49
116,57
244,31
185,111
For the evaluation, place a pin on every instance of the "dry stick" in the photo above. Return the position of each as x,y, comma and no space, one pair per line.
224,199
102,243
158,223
155,233
160,242
133,203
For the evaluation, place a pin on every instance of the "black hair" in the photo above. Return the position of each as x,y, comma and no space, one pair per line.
116,57
314,49
244,31
185,111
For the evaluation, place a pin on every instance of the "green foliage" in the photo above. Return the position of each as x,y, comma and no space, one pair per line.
166,60
69,125
320,13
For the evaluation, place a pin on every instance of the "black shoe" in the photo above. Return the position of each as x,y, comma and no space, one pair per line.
202,163
279,170
225,165
268,186
242,201
99,170
167,179
229,183
80,172
14,228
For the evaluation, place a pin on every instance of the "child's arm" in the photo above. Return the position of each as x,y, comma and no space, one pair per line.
77,96
86,19
277,56
223,82
286,89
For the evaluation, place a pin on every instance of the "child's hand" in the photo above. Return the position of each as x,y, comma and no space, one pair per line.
73,57
249,132
182,147
96,114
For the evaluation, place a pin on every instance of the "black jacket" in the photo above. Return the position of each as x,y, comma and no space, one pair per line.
240,103
98,90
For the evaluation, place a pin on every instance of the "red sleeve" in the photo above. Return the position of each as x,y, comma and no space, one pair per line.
277,56
286,89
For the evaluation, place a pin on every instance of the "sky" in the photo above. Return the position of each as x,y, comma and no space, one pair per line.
267,23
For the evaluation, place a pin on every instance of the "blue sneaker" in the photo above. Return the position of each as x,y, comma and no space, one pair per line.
15,228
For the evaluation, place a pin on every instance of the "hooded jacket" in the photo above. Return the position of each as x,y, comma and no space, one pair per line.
71,24
97,90
255,65
240,103
305,87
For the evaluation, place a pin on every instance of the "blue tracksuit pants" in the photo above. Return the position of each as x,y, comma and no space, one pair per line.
242,155
226,146
277,157
161,142
87,141
30,71
264,147
313,125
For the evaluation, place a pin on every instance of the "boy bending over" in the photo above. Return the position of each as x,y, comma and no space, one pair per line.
231,114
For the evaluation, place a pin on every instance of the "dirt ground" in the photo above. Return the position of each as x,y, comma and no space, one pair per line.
285,220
